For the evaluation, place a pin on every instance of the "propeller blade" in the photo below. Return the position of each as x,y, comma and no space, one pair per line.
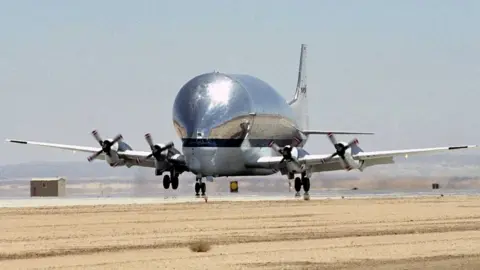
92,157
156,149
116,139
330,157
332,138
97,137
167,146
353,142
275,147
148,137
345,164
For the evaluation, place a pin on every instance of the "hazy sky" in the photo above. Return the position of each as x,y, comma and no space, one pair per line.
407,70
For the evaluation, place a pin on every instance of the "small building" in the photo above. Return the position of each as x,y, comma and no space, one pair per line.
47,187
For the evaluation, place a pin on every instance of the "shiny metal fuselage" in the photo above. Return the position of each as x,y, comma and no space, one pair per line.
224,120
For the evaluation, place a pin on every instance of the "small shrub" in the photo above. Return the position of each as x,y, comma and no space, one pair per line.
200,246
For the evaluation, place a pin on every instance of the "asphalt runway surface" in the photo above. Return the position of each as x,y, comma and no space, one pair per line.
427,232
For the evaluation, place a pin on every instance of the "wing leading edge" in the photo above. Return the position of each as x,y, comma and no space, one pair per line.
139,158
370,158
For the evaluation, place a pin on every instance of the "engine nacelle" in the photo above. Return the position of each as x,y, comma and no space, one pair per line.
114,160
353,150
120,146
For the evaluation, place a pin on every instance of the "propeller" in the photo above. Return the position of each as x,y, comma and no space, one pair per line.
156,149
286,152
105,144
340,150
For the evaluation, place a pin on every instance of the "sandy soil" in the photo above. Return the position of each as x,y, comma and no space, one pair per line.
414,233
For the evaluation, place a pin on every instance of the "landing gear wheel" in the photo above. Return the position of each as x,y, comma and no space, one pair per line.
306,188
298,186
174,181
197,189
203,188
200,186
166,181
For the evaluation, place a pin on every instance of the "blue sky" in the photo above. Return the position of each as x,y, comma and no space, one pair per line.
407,70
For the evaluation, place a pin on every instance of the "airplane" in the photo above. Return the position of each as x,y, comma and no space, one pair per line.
239,125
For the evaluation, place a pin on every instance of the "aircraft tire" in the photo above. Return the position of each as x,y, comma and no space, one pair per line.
306,184
197,189
298,184
174,181
166,181
203,187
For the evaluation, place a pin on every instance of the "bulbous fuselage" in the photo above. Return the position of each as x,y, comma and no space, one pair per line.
224,119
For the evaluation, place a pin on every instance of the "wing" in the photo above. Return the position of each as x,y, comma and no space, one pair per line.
318,163
138,158
321,132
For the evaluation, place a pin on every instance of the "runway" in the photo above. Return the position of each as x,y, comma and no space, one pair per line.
222,197
426,232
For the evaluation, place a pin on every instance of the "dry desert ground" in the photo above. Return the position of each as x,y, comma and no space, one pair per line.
408,233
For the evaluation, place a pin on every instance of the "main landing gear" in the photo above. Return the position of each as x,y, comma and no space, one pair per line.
200,186
304,182
170,180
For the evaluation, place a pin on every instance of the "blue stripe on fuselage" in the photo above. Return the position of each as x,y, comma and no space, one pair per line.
190,142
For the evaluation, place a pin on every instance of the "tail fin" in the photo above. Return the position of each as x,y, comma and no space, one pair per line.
299,102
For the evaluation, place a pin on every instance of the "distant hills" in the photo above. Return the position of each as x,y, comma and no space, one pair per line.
455,165
98,179
70,169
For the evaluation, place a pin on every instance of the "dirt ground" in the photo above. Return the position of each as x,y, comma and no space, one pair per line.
412,233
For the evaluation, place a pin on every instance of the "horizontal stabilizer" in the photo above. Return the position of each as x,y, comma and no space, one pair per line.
318,132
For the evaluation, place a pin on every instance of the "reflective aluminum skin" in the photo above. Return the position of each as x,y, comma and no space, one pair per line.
216,114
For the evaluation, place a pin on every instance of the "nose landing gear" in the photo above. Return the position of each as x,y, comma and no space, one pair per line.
200,186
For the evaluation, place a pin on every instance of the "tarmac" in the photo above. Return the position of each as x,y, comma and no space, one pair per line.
16,202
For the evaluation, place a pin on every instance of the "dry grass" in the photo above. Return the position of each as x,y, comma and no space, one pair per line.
411,233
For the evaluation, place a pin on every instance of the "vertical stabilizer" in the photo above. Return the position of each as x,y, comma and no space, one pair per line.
299,102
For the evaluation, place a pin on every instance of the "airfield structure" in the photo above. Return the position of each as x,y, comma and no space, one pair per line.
48,187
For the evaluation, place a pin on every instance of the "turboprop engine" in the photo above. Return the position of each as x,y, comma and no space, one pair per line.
110,148
346,151
161,153
290,156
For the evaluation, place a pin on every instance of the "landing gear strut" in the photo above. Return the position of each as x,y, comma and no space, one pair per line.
305,182
200,186
173,180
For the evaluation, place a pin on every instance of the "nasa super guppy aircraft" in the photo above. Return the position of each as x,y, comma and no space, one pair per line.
238,125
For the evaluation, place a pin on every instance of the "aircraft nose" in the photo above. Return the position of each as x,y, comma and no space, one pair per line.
202,160
206,102
194,164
